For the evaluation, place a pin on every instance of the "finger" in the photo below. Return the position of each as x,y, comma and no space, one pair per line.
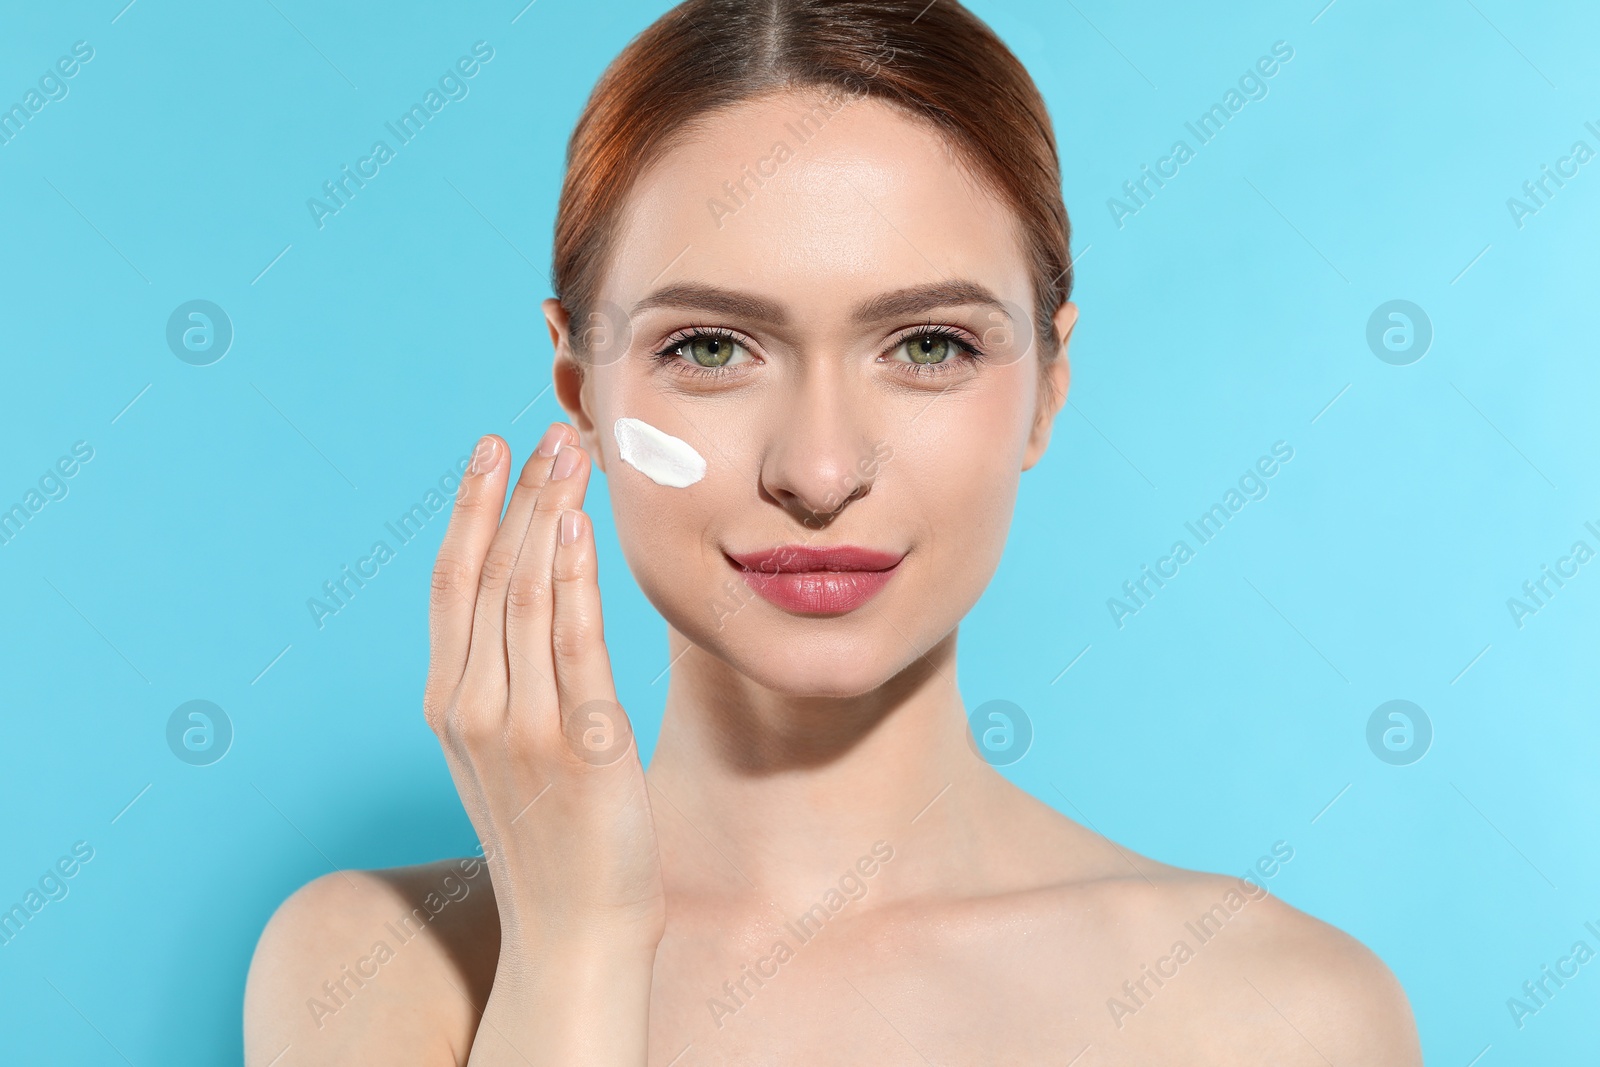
455,571
488,651
577,630
593,724
528,604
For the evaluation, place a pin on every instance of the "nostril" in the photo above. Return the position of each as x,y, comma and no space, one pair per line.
814,472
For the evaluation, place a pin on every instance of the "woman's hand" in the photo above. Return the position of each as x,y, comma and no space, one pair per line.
520,694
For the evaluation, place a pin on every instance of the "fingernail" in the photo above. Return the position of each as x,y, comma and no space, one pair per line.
550,442
569,527
566,463
486,455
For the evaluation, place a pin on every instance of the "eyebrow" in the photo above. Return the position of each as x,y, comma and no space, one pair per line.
912,300
697,297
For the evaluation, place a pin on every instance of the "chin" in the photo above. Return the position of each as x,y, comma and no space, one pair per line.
825,668
836,657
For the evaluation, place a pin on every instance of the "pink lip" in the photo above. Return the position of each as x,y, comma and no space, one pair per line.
817,581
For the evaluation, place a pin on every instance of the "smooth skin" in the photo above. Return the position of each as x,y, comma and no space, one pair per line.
805,765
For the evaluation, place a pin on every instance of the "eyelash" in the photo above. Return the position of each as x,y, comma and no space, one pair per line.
939,333
669,353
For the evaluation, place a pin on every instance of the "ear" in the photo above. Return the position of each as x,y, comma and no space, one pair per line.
1057,377
570,381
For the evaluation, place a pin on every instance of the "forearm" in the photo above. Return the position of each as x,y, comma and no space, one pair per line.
585,1006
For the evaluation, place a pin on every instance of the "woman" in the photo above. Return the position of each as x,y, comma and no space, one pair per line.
812,272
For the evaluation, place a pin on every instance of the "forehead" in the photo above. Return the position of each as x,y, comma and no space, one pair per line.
805,200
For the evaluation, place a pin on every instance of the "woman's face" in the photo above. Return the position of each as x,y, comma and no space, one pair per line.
835,315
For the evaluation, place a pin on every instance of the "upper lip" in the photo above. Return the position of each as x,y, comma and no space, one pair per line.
799,559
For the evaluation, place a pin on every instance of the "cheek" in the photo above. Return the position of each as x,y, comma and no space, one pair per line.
663,534
963,457
964,483
960,470
668,536
666,532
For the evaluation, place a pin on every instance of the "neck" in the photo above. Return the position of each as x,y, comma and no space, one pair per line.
758,790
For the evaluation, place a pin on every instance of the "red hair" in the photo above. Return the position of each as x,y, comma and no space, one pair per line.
936,61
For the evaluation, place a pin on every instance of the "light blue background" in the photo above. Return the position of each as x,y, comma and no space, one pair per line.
1223,317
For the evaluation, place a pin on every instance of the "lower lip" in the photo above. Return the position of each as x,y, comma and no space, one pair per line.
817,592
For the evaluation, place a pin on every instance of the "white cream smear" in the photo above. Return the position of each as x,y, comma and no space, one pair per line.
659,456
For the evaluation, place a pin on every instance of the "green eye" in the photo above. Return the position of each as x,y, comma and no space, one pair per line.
705,352
928,348
708,351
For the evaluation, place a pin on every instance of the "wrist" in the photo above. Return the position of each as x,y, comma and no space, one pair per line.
593,959
575,1002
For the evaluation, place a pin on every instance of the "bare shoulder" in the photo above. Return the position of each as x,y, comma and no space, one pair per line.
1190,966
390,966
1310,976
1239,976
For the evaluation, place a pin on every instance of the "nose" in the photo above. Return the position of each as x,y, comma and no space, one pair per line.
821,455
